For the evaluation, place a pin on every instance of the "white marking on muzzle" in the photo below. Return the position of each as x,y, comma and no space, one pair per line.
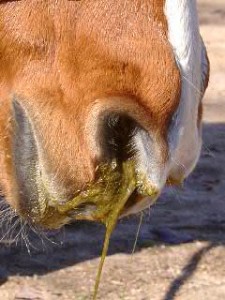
185,39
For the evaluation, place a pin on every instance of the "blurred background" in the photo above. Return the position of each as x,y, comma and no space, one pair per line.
180,251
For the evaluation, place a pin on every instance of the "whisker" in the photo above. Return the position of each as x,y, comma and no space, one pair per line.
8,231
210,152
194,86
26,241
138,232
178,164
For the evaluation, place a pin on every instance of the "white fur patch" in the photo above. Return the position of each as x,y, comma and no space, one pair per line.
185,39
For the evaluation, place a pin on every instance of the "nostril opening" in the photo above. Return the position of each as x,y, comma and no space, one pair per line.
117,136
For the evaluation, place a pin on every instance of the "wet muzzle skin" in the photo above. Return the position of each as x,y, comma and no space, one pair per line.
103,200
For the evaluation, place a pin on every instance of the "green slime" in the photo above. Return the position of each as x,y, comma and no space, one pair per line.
108,195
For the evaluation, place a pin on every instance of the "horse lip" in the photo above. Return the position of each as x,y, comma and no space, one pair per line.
139,206
139,201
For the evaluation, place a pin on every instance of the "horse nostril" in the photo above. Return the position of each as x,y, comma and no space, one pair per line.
117,136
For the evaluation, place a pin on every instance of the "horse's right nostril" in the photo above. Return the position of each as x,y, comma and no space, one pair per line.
117,136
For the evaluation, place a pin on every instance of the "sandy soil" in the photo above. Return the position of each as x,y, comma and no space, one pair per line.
180,254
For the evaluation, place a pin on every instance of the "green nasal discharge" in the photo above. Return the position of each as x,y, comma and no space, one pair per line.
108,195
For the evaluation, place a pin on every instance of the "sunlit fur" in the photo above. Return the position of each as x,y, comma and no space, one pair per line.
71,64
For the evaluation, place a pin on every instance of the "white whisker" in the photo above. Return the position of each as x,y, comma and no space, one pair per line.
138,232
193,86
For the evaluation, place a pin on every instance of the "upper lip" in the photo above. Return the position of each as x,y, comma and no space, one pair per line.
116,190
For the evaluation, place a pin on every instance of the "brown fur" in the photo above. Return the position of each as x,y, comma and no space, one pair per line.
60,57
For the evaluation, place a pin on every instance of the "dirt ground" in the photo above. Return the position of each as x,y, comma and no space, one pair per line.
180,253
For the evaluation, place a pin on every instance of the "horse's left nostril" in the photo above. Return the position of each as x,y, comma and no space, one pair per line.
117,136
